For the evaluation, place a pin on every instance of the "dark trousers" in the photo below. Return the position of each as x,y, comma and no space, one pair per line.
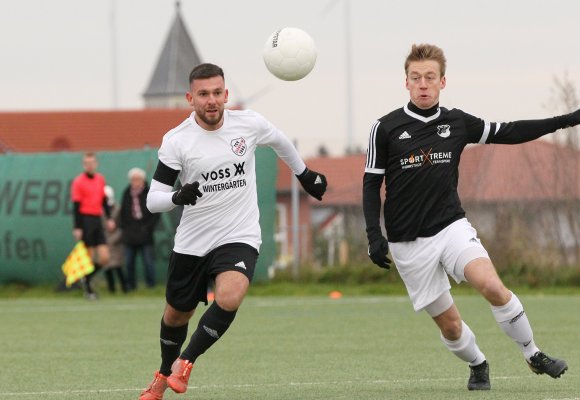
110,275
146,251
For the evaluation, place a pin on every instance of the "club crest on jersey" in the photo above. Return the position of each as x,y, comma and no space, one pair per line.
443,130
239,146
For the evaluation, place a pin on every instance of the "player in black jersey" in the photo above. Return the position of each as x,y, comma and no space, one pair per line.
415,150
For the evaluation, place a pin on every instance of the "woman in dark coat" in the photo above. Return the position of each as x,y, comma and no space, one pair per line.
137,225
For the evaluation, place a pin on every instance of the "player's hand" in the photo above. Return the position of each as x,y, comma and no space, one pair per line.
378,250
314,183
187,195
77,234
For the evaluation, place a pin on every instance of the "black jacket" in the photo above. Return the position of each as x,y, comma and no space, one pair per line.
137,231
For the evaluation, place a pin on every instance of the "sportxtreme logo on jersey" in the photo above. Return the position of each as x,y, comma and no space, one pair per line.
427,158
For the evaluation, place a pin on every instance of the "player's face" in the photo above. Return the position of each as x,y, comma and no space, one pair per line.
90,165
424,82
208,98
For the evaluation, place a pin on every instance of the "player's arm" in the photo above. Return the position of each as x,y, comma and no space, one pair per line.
161,196
372,183
161,189
314,183
526,130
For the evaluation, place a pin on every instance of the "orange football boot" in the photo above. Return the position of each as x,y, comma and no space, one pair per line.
156,388
179,377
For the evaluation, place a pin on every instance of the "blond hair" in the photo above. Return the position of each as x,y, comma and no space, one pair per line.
420,52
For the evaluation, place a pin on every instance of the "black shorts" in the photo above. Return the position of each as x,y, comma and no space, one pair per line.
188,276
93,231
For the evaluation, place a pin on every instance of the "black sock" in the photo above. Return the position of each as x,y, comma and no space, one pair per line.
212,325
87,280
171,339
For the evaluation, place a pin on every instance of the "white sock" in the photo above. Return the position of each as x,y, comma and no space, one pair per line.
465,347
512,319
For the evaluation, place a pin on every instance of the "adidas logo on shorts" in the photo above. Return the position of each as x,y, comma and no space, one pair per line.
241,265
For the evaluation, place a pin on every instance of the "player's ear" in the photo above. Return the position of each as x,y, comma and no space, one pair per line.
226,96
407,82
189,98
443,82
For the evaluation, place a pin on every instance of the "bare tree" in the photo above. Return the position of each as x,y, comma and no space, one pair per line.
564,99
561,221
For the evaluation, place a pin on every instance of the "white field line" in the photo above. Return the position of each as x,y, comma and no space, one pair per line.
267,385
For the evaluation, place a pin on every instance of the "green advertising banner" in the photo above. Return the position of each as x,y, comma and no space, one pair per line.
36,211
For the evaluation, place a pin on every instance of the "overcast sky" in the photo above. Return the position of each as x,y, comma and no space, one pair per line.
502,56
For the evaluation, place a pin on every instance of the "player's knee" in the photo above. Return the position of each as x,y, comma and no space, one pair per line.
229,301
495,291
452,330
173,317
230,292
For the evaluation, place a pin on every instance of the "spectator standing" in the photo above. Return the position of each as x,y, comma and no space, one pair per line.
138,224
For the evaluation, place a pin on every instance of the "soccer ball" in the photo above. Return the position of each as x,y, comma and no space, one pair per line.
290,54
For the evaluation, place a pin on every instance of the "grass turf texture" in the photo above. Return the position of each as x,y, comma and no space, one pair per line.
278,348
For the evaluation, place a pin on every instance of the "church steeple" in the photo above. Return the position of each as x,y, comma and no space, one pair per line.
169,81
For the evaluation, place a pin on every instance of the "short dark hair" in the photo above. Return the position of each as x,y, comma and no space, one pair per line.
205,71
420,52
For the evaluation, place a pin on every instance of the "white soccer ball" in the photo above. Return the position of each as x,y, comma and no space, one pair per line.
290,54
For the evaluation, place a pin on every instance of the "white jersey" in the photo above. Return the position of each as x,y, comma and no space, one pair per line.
223,162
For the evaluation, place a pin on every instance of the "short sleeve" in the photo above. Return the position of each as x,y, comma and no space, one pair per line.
168,155
267,133
76,194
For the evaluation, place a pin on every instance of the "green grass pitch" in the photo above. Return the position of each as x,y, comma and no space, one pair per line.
279,348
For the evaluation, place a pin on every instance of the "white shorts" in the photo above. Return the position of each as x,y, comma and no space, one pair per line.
424,263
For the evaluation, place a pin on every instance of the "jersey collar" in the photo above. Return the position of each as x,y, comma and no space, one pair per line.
422,115
196,125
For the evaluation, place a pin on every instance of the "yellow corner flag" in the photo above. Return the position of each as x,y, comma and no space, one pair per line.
77,264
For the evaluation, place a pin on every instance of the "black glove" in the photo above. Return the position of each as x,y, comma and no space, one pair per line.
576,117
188,194
313,183
572,119
378,250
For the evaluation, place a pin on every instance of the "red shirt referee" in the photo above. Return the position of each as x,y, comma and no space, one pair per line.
89,200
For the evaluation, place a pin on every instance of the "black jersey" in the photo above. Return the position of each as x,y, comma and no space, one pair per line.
418,152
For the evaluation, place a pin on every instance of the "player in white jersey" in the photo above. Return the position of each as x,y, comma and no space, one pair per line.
415,150
218,238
